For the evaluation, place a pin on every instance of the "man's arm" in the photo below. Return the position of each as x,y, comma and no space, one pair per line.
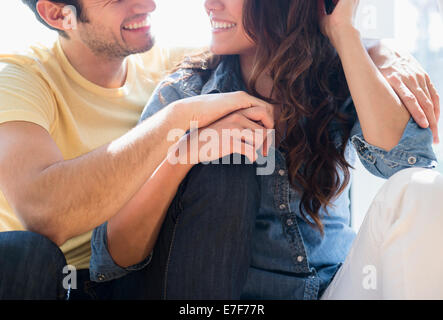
62,199
381,113
138,223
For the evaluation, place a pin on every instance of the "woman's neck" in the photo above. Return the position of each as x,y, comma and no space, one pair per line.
264,87
264,82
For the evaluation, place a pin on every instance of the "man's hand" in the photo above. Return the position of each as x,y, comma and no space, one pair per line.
243,132
206,109
411,83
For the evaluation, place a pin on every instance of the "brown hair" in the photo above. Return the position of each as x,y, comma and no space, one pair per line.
309,85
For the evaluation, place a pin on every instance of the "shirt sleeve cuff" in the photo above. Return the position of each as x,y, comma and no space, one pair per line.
102,266
413,150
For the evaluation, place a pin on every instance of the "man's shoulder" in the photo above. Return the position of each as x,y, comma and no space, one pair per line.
37,61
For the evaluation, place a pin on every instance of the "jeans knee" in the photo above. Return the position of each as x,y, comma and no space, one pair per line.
227,190
215,180
31,246
33,268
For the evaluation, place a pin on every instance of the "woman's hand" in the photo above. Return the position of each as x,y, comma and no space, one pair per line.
341,19
403,73
411,83
244,132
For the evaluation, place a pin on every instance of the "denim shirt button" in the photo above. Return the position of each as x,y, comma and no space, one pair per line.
300,258
281,172
282,206
289,222
101,277
412,160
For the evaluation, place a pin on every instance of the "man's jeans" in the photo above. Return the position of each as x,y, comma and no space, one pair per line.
203,250
31,267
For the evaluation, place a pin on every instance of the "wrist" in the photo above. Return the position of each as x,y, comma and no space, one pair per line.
183,152
182,111
344,36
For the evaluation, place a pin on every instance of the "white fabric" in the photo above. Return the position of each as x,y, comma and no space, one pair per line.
398,251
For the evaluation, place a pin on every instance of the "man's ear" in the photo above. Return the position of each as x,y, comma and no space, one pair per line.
55,14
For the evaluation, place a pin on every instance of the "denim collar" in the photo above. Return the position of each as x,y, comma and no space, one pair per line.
226,77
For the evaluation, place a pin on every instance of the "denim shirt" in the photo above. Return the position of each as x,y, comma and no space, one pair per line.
290,259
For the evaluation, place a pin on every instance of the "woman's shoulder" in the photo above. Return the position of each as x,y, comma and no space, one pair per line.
180,84
186,81
192,73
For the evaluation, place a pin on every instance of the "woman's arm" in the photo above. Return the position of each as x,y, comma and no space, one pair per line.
411,83
382,115
131,234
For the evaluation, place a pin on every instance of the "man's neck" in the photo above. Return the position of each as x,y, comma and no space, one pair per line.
101,70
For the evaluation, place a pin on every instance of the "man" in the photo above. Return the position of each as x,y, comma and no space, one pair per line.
68,109
69,159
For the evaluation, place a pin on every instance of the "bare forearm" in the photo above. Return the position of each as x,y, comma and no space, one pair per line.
80,194
382,116
133,231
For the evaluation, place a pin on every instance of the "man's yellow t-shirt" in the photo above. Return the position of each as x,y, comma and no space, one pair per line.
42,87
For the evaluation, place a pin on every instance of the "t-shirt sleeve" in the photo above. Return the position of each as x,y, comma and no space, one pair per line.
25,96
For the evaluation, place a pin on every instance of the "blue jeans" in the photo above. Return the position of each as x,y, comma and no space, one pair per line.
31,267
203,249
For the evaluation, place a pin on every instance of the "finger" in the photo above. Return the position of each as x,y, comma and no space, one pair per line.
425,98
269,141
260,114
434,96
421,80
246,101
262,108
241,122
245,149
255,138
248,130
436,100
428,109
252,125
409,101
243,135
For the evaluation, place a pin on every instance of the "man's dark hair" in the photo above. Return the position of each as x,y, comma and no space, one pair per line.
75,3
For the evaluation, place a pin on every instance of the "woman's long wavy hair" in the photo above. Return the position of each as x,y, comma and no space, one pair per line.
310,86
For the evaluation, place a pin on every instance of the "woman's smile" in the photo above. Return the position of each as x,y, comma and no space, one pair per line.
219,25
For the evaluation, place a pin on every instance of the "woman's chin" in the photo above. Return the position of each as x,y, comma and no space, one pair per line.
221,50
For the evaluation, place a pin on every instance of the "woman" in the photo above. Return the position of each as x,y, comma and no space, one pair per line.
327,98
